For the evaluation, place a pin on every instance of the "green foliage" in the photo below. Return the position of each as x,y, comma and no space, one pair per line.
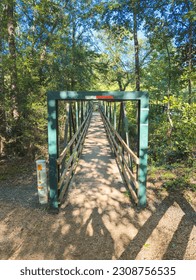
176,176
180,143
89,45
179,183
184,135
51,51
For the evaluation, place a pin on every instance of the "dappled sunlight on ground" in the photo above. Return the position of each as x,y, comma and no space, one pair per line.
97,219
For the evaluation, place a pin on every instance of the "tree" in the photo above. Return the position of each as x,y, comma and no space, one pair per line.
14,89
51,45
118,68
45,45
173,22
124,15
183,16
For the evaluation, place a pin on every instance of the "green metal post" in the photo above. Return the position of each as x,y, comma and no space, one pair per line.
125,124
142,149
114,115
126,130
110,111
120,129
66,125
84,108
82,111
77,115
53,150
70,126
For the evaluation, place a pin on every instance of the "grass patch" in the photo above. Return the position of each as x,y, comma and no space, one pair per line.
174,177
179,183
168,176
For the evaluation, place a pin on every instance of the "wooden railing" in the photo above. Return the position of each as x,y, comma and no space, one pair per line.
123,154
67,161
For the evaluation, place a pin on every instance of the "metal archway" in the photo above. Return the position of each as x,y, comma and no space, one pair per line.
143,108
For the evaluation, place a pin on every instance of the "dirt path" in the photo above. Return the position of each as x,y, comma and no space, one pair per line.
97,219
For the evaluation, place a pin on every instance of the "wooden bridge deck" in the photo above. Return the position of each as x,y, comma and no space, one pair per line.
97,195
97,165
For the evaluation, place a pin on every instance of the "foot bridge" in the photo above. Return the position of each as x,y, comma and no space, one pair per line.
96,138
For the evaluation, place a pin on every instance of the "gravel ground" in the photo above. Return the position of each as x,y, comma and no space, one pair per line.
164,230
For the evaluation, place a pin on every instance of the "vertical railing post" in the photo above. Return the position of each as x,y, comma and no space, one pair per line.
53,150
82,111
105,107
126,125
114,115
110,104
84,108
66,125
142,148
70,126
77,115
120,121
108,110
126,132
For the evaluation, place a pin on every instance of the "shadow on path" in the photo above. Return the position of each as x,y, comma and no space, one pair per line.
97,220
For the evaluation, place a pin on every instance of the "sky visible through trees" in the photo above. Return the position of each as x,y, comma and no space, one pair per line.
96,45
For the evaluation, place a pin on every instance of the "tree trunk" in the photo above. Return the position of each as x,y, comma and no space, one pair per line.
169,132
190,50
136,47
3,124
73,58
1,58
13,67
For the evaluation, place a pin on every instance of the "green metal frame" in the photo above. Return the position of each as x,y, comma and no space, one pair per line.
143,108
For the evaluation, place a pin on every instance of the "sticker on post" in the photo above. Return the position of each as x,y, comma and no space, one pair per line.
104,97
39,167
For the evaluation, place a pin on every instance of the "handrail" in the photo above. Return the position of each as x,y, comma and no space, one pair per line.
63,153
72,162
127,148
127,173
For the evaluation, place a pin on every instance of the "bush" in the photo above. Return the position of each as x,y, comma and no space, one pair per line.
180,144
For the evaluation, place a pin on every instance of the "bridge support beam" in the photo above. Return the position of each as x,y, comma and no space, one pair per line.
53,150
142,150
